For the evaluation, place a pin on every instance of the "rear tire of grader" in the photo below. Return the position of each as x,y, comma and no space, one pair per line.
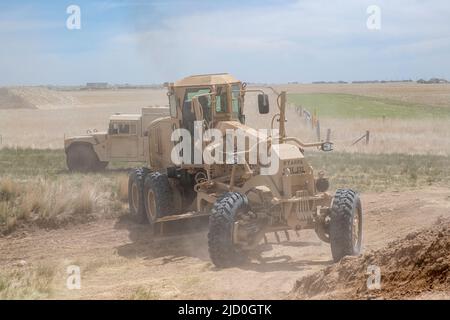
136,194
158,197
222,251
345,224
82,158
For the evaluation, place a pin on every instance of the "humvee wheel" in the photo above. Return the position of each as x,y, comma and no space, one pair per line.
222,251
102,165
158,197
82,158
345,224
136,194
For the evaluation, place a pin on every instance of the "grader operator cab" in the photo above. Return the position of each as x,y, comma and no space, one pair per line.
244,199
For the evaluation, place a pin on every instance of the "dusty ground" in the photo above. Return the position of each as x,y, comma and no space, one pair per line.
120,259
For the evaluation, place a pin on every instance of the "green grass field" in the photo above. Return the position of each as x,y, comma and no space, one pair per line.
338,105
23,163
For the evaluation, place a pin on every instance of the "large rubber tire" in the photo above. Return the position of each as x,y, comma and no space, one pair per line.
136,194
82,158
222,251
158,197
345,224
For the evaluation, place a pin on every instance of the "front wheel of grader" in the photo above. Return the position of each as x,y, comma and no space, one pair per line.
222,250
345,224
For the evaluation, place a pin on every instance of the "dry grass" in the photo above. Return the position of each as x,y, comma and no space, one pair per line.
9,189
69,113
27,283
47,99
142,293
37,189
47,128
53,203
23,128
409,136
387,137
122,188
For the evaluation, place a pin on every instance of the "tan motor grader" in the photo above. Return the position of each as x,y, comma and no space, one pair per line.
242,203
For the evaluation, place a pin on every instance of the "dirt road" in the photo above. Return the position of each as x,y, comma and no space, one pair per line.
119,259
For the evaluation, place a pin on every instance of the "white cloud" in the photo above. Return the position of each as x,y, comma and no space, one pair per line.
303,41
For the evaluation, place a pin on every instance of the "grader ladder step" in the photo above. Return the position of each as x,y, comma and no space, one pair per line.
276,237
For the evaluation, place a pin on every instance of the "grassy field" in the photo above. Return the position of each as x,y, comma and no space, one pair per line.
381,172
340,105
36,188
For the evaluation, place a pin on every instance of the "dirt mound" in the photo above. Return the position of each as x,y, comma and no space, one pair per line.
410,267
10,100
44,98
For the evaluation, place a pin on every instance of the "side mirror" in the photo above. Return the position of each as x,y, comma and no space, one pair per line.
263,103
327,146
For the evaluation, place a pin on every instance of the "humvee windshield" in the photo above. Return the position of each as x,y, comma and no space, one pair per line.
122,128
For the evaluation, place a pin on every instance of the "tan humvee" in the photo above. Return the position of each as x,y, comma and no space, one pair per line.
125,140
242,200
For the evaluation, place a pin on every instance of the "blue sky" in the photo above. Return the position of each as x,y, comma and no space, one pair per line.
141,42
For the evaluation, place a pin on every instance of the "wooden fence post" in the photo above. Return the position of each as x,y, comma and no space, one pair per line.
367,136
318,130
328,135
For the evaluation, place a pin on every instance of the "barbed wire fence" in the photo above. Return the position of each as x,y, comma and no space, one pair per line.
312,120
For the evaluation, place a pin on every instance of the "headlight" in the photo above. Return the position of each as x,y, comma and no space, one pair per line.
327,146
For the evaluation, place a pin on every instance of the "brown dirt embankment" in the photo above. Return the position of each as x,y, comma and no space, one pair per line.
414,266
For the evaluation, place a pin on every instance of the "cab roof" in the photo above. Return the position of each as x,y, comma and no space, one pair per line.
206,80
125,117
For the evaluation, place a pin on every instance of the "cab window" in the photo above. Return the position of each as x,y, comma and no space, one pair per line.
190,93
173,105
205,103
221,100
235,102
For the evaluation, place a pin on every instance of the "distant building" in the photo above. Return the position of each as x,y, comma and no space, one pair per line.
432,80
97,85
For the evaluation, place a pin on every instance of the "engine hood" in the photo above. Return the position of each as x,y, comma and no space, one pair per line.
92,138
236,125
